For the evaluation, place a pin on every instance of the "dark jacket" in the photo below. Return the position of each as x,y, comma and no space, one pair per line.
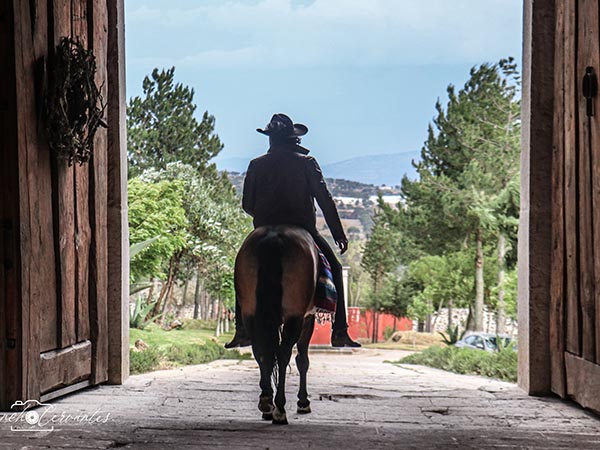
280,188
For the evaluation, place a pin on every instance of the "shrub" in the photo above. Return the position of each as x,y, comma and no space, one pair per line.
144,361
453,335
501,365
387,333
180,355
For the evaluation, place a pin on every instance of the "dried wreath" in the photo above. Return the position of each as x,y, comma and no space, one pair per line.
74,105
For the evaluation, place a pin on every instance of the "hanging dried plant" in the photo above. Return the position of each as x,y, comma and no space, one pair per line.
74,105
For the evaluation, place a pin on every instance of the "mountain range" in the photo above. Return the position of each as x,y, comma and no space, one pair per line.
387,169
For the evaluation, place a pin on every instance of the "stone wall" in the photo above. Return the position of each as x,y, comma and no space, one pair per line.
459,316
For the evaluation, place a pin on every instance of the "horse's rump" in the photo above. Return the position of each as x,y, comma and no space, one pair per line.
283,252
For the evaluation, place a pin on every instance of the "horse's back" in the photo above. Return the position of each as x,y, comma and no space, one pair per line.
298,264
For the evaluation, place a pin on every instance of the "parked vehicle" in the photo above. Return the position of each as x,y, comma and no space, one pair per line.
485,341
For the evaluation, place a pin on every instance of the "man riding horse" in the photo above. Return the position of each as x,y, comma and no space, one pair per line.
279,189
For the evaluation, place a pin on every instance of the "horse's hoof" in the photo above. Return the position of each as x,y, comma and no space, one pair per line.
265,405
267,416
304,409
279,418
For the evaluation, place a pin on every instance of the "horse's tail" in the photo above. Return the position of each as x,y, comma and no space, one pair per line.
269,291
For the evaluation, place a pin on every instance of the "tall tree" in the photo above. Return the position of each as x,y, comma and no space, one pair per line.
469,158
162,126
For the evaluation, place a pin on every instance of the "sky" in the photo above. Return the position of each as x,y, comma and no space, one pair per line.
363,75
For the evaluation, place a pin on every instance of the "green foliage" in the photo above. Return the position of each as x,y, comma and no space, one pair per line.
141,246
387,333
452,335
180,355
145,361
176,194
162,127
501,365
156,209
140,316
466,196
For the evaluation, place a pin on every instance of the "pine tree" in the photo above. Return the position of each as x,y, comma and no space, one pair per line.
162,127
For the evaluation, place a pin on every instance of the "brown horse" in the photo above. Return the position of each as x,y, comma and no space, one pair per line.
275,278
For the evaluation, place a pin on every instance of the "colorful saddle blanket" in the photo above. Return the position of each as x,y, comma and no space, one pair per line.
325,294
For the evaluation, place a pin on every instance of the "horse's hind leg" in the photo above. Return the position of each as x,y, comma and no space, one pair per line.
266,361
289,336
302,363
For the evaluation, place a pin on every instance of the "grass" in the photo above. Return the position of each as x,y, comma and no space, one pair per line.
194,343
193,331
500,365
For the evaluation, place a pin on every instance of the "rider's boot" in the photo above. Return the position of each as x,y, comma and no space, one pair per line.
340,338
241,338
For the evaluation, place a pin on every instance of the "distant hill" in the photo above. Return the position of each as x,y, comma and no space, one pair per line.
233,164
373,169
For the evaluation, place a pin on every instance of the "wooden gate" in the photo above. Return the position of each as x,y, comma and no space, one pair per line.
575,283
54,281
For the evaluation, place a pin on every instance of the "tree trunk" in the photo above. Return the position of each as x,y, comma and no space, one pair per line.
185,287
501,311
197,296
163,291
478,310
218,314
170,291
437,316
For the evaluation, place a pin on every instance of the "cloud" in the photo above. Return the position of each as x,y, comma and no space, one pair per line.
322,33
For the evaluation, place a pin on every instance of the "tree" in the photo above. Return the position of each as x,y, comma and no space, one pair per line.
156,211
169,146
469,160
162,128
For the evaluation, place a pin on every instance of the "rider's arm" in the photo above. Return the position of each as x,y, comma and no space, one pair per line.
321,193
248,192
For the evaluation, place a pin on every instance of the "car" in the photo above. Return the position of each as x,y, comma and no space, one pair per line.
485,341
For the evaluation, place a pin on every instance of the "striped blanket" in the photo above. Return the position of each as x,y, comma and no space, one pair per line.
325,294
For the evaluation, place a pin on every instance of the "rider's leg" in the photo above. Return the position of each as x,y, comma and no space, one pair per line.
241,338
339,335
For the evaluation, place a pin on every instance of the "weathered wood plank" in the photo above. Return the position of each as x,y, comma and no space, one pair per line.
573,316
65,201
48,306
37,257
587,47
595,161
10,295
83,231
583,381
557,283
59,368
118,237
99,205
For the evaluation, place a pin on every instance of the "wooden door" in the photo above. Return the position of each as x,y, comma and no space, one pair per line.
57,214
575,292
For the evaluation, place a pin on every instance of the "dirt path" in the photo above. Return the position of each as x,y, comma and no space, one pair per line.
358,400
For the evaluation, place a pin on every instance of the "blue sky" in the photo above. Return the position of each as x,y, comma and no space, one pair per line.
363,75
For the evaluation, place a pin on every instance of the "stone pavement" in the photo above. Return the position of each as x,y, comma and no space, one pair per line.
358,400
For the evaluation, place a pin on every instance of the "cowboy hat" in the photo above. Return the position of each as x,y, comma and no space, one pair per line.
282,125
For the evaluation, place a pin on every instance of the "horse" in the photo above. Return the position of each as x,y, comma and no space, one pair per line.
275,278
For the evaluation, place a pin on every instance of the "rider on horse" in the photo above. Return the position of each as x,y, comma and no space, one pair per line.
279,189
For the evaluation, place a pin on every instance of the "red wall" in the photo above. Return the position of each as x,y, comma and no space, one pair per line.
360,326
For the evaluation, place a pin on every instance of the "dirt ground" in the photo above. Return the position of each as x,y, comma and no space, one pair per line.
359,401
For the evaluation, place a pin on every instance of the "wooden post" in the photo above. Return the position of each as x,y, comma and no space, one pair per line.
118,234
535,230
